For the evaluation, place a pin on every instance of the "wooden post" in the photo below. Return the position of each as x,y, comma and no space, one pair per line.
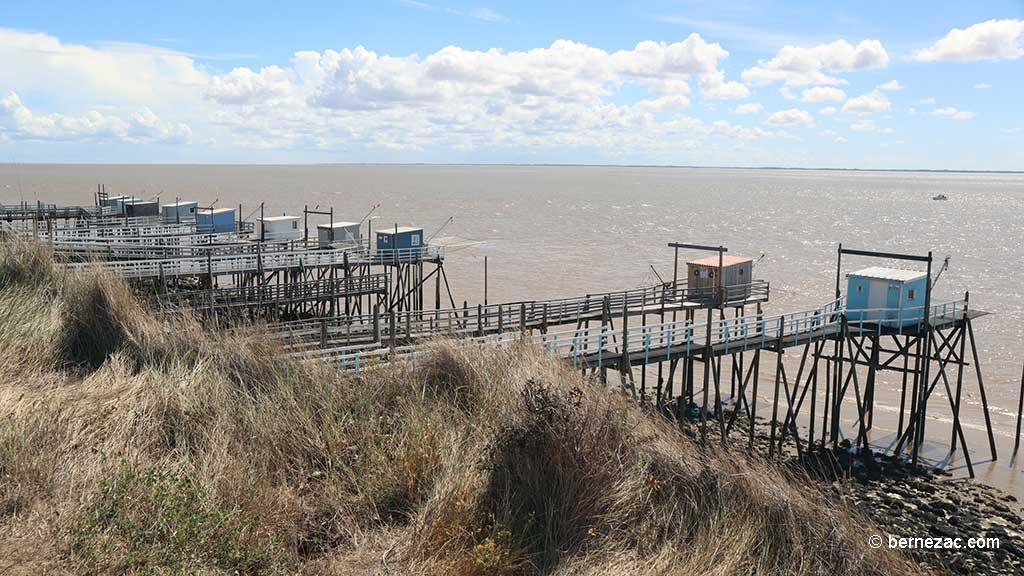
675,271
959,385
605,319
923,396
625,367
1020,410
778,376
981,389
707,373
392,329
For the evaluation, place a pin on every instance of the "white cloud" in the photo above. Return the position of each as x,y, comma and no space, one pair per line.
713,85
796,66
841,140
991,40
982,86
828,110
242,85
950,112
828,132
20,122
791,117
926,101
749,108
822,94
737,132
864,126
892,85
866,104
353,99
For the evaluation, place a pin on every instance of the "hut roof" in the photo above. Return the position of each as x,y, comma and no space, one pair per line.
727,260
897,274
338,225
399,230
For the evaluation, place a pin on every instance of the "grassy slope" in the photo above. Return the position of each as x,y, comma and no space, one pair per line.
132,445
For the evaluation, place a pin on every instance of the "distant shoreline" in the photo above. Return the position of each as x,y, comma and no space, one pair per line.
522,165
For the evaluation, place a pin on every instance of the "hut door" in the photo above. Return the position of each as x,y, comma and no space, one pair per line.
878,298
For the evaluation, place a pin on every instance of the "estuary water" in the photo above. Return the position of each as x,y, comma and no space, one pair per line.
552,231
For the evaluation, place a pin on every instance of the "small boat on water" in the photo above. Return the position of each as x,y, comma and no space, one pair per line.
940,197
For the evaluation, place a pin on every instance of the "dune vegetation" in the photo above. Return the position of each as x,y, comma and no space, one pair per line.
136,444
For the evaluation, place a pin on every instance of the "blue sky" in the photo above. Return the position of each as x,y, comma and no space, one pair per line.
858,85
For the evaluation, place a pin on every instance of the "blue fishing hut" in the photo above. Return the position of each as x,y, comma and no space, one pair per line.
891,297
118,202
217,220
407,241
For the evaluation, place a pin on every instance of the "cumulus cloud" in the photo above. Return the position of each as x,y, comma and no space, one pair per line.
829,110
953,113
242,85
982,86
866,104
842,140
822,94
797,66
990,40
20,123
561,95
791,117
122,74
892,85
360,79
749,108
713,85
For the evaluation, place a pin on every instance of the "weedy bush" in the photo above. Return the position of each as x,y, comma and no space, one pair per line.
149,519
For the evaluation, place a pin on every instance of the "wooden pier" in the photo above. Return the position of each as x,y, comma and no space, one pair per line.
691,348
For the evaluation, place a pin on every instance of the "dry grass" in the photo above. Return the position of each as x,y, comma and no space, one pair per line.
133,446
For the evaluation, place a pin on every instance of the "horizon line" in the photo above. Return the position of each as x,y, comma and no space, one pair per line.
524,164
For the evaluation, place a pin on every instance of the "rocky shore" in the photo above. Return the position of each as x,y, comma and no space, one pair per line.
907,501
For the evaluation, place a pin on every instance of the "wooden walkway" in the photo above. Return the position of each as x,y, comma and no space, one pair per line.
539,315
258,257
606,346
240,297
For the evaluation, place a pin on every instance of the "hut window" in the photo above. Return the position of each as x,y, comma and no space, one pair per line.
911,294
295,225
415,240
741,271
860,288
711,273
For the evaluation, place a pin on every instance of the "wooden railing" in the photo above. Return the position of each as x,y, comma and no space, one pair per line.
602,346
272,294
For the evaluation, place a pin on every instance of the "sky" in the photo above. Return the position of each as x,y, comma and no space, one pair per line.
798,84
